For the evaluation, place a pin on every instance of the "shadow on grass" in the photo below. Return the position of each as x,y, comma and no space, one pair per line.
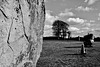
73,47
72,54
77,54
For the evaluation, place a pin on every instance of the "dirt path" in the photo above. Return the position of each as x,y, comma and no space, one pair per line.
67,54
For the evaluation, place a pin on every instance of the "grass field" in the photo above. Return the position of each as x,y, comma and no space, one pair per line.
67,54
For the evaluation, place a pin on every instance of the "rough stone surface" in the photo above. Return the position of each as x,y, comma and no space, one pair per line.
21,32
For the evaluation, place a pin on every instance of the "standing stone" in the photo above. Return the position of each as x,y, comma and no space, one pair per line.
21,32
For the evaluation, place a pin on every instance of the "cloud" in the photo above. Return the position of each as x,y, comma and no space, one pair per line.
48,33
77,20
46,27
97,30
66,13
45,1
86,28
48,23
92,20
88,24
63,0
81,8
48,30
74,29
90,2
50,18
99,16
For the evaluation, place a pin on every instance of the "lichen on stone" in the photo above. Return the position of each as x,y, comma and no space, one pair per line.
21,31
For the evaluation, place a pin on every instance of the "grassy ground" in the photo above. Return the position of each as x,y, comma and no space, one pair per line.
67,54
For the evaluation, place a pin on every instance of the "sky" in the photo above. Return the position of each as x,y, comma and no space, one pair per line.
83,16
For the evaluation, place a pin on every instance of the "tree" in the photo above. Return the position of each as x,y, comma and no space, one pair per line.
60,28
21,31
69,34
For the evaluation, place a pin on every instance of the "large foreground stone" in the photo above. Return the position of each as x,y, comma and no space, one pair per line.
21,31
